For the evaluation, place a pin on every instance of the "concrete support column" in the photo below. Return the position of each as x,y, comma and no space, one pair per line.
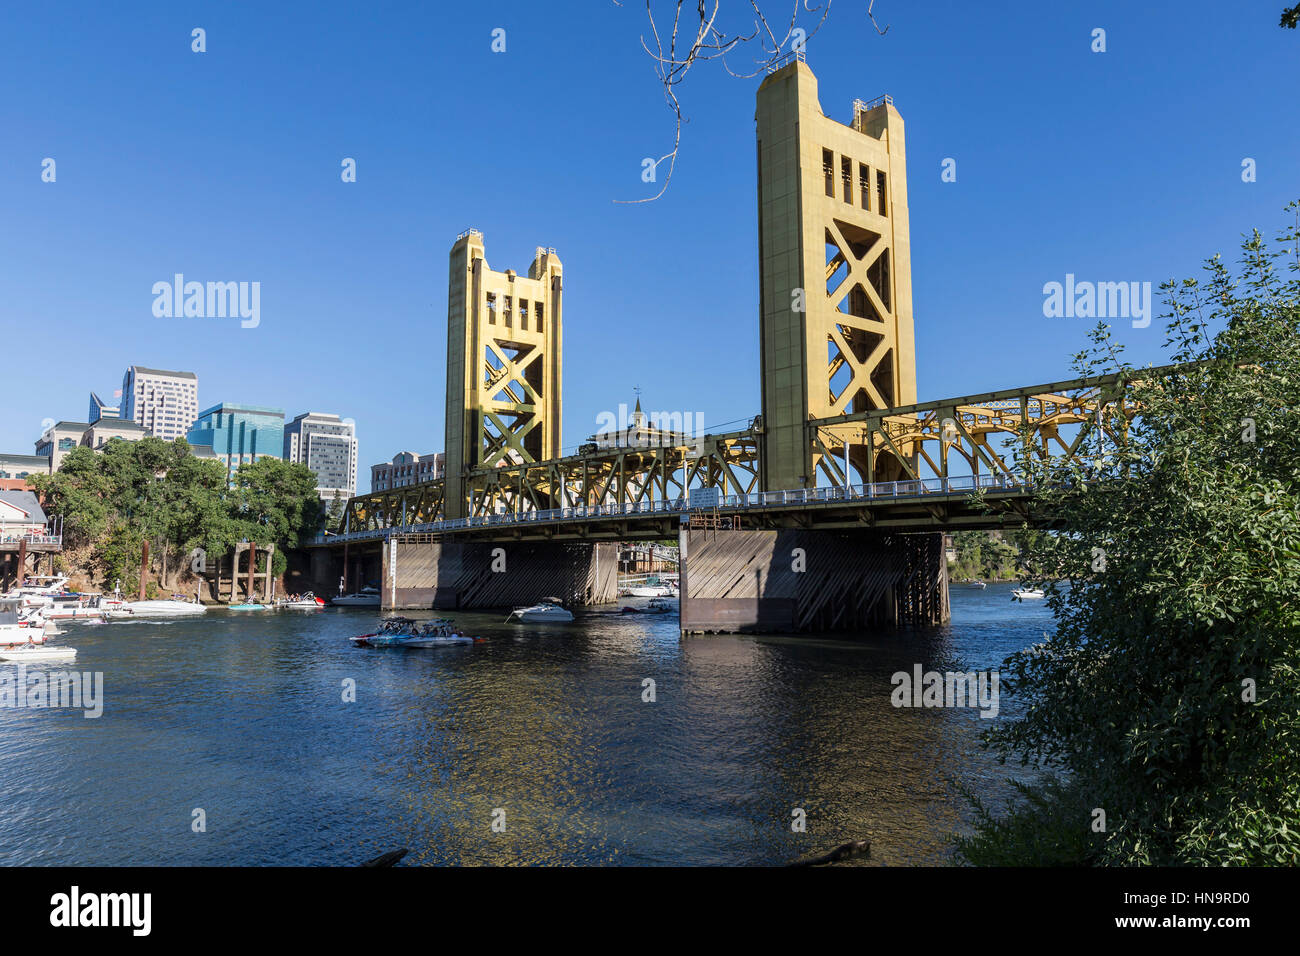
799,581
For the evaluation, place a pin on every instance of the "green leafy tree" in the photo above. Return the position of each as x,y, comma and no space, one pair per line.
1169,694
276,502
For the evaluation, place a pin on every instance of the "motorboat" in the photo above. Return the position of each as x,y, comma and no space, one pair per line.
405,632
75,607
247,606
33,653
40,590
302,602
21,625
977,585
656,606
156,609
1026,594
366,597
544,612
666,589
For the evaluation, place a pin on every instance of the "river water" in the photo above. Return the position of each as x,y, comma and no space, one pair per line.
227,740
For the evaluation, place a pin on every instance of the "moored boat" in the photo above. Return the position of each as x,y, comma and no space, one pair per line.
21,625
301,602
366,597
156,609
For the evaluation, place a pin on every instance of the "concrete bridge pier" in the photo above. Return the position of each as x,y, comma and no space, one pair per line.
420,571
807,581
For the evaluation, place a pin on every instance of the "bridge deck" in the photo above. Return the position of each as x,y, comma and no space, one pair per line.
929,504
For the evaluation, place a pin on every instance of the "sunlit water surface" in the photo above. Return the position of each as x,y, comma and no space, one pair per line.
243,718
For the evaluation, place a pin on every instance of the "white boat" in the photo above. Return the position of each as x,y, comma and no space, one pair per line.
21,625
39,591
650,591
977,585
543,612
29,653
366,597
405,632
157,609
79,611
1027,593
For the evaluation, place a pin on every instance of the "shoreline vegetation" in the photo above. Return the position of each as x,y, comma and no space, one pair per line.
991,556
1161,719
132,492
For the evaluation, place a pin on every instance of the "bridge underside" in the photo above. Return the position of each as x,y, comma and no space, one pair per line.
793,581
420,571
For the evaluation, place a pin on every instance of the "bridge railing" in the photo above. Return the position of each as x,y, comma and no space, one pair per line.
915,488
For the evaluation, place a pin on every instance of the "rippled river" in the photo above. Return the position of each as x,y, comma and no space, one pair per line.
242,717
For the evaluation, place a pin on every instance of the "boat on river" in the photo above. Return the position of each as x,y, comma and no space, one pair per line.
247,606
20,625
156,609
39,590
301,602
405,632
366,597
1028,594
654,590
656,606
547,611
37,654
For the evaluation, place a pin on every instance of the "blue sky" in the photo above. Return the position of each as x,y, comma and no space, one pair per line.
1123,165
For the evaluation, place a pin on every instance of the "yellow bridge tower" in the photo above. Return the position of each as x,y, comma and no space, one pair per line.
835,277
503,365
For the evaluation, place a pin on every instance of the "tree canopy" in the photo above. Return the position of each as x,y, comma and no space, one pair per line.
130,492
1168,697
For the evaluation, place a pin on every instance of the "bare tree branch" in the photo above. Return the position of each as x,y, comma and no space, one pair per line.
701,38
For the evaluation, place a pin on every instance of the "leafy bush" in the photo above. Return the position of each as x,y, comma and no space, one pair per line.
1169,692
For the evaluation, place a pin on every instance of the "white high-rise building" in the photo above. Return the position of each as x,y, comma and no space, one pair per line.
328,446
165,403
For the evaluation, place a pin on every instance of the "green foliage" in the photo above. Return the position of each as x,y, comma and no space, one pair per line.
334,514
986,555
1143,693
1044,830
1291,17
276,501
160,492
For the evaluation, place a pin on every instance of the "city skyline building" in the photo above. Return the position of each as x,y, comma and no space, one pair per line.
239,434
59,439
327,445
101,409
164,402
407,468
